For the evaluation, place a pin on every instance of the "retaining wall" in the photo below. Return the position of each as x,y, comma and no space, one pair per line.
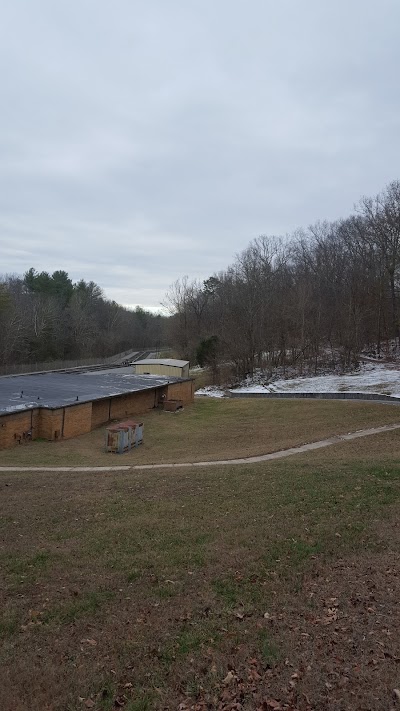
375,397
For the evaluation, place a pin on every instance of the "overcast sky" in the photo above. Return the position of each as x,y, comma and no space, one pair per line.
144,140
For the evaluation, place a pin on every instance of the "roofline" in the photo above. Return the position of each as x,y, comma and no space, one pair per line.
159,361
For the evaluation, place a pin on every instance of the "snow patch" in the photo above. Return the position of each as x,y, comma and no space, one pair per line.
378,379
210,391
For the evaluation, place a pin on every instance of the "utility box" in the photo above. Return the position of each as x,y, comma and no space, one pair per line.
113,439
135,432
122,437
172,405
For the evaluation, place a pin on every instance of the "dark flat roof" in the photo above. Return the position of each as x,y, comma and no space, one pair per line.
52,390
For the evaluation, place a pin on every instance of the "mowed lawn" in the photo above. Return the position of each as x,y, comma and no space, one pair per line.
270,586
213,429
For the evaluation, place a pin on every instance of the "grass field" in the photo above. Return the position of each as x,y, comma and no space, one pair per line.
269,586
214,429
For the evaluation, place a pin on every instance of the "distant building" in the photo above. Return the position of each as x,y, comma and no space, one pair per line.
162,366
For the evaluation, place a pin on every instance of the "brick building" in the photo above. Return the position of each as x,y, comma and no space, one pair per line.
63,405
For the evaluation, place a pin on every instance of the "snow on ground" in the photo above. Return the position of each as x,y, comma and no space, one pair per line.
371,378
379,379
210,391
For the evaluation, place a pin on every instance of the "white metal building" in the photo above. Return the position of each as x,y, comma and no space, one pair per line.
162,366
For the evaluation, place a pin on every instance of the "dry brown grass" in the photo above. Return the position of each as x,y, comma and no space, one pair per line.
214,429
145,589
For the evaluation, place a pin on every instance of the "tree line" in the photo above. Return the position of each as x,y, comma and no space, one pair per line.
46,317
319,296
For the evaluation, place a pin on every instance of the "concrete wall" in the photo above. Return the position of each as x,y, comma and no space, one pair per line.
181,391
374,397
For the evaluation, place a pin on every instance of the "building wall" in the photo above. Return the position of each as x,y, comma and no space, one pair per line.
100,412
77,420
35,420
185,371
65,422
50,423
181,391
173,371
133,403
14,425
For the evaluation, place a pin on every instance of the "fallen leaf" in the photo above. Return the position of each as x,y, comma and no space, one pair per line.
273,704
229,678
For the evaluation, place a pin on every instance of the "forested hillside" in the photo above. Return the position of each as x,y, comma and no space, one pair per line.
47,317
319,296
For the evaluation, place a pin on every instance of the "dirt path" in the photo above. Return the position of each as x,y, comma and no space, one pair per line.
246,460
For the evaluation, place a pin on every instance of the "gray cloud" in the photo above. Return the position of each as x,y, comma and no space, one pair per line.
143,141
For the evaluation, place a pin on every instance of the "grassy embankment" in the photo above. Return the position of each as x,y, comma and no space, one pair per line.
260,584
213,429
